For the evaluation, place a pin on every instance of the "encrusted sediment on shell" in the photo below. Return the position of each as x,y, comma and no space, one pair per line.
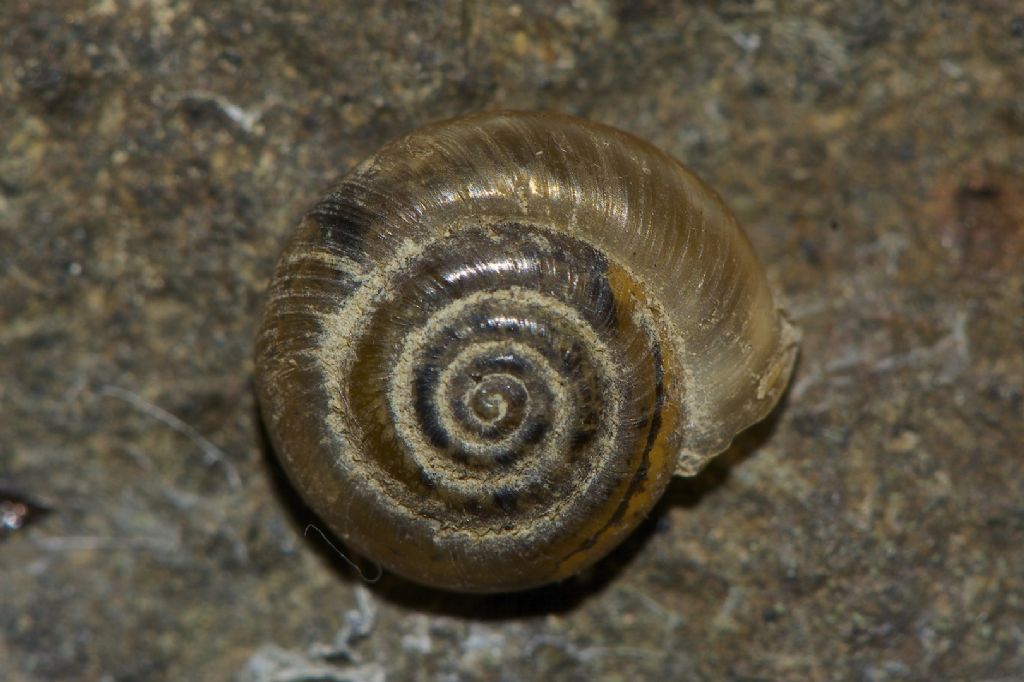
570,279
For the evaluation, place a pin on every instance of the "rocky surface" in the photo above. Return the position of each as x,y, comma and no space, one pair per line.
154,154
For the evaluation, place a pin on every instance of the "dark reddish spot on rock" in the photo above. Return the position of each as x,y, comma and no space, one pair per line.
981,213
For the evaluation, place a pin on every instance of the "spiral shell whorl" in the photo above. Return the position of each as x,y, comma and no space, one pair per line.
503,381
493,344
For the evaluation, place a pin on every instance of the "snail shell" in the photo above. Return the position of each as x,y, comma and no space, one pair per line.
486,352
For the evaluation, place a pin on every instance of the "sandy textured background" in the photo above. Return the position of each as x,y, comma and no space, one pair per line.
154,154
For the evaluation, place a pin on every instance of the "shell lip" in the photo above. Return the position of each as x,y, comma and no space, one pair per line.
771,389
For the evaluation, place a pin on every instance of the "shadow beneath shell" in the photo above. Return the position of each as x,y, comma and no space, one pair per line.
688,492
551,599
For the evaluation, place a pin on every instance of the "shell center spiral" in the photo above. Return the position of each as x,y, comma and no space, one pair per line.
498,399
520,381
